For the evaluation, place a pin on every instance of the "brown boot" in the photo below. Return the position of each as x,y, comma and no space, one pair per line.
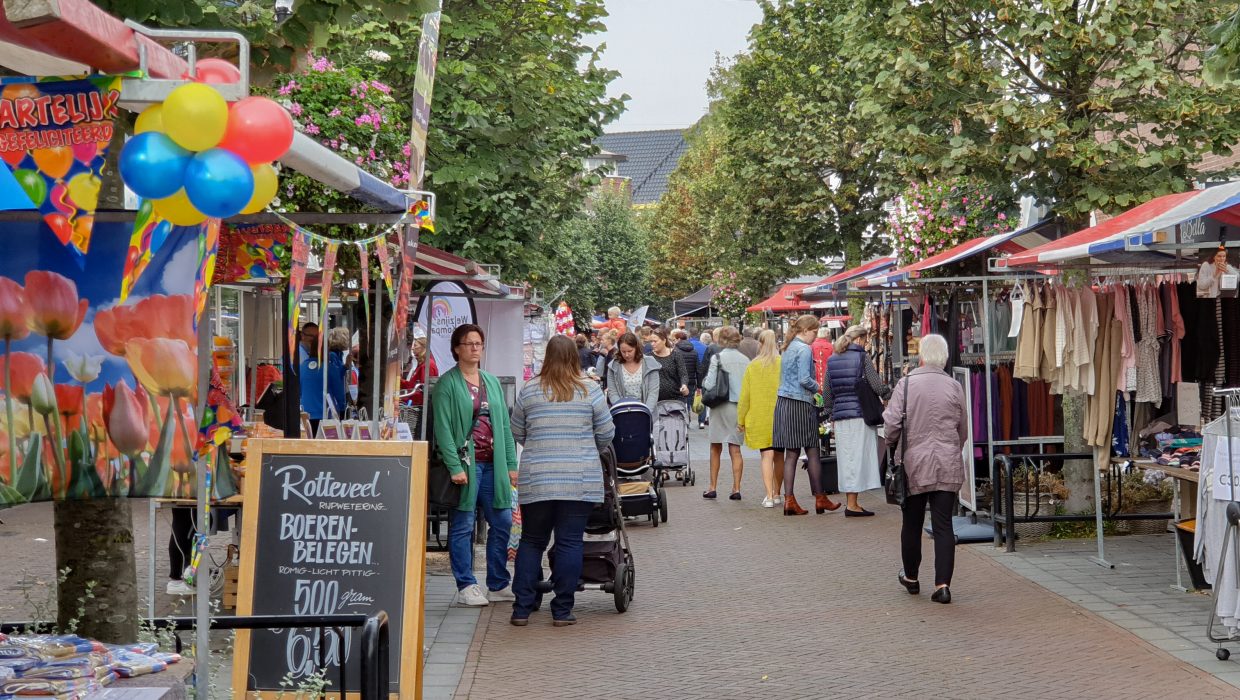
791,507
823,503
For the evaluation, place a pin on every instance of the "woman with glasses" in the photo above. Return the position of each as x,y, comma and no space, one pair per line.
473,437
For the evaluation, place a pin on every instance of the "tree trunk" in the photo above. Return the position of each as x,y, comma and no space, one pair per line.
94,542
852,258
94,539
1078,473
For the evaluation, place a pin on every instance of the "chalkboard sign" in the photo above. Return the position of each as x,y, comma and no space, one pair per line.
331,527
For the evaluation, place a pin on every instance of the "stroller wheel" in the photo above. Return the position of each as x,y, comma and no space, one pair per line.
662,505
623,587
654,518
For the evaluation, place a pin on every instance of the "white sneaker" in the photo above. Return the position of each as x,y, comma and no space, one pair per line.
503,595
471,597
180,588
768,503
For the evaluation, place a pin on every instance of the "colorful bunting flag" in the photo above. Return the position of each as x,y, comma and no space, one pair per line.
364,253
421,211
149,234
329,269
385,269
208,246
296,284
54,137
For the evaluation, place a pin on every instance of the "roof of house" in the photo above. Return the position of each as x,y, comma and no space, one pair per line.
650,158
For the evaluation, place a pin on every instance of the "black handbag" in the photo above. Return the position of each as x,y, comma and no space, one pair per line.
722,391
871,405
896,484
441,491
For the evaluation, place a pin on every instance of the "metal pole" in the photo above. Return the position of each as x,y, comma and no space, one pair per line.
1101,559
990,424
202,580
150,560
1175,538
375,352
429,305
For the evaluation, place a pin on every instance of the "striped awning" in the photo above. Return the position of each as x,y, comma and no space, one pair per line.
1137,226
1002,241
439,262
842,278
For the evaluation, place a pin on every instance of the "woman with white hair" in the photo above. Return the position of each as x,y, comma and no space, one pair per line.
856,443
932,422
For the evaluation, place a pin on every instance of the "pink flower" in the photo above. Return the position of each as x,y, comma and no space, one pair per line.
406,149
1002,216
381,87
322,65
290,86
312,129
295,109
334,113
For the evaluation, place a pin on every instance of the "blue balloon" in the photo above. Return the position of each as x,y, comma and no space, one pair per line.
219,183
160,235
153,166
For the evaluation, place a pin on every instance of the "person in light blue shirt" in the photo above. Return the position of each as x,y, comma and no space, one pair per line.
310,375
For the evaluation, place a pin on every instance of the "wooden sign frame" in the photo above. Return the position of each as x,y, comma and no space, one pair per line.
410,667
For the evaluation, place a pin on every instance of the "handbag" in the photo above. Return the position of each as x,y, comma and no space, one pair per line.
896,484
722,391
441,491
871,405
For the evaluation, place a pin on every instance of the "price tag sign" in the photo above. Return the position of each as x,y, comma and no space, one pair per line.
1224,485
331,527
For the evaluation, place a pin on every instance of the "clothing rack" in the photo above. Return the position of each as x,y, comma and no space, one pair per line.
1232,535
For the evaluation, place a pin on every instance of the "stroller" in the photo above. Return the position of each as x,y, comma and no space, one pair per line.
671,443
607,561
637,480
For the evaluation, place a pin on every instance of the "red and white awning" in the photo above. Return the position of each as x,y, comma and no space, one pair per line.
1136,225
787,299
840,279
1003,242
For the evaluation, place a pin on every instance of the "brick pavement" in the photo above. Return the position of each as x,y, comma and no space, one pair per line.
734,600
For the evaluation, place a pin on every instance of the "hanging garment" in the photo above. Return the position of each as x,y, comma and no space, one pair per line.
1000,320
1119,430
1100,406
978,411
1231,340
1020,409
1029,344
1049,368
1164,336
1004,373
1190,363
1086,372
953,329
1176,331
1017,298
1127,379
1149,388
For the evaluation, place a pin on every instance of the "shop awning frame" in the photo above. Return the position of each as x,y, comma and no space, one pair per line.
840,279
1003,241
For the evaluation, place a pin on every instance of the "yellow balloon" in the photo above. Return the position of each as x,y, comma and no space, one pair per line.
178,209
265,184
195,116
151,119
84,190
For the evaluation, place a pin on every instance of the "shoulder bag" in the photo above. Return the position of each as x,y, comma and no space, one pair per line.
896,484
722,391
871,405
441,491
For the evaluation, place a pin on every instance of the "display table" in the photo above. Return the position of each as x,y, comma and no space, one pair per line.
1184,501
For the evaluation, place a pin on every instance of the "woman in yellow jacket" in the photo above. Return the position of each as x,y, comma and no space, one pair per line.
755,414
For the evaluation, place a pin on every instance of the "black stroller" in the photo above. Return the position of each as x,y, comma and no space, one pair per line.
638,479
607,561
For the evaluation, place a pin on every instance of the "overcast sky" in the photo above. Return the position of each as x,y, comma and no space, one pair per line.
665,49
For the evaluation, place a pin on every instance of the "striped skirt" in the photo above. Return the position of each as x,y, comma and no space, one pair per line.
796,424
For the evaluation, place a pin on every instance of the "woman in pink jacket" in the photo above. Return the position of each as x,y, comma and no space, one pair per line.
934,430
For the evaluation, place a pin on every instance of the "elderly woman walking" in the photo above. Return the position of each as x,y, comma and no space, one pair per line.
723,429
932,422
856,443
563,423
756,412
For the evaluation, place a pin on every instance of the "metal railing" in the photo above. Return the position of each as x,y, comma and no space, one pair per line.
375,642
1002,480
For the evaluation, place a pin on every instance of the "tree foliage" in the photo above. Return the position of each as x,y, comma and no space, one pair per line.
1084,105
599,258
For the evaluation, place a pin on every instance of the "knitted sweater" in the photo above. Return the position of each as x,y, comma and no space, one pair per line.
562,441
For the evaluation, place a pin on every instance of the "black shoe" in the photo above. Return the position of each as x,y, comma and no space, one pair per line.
736,496
942,595
519,621
570,620
863,513
709,494
913,587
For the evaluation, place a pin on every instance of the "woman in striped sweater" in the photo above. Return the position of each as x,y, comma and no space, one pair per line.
563,422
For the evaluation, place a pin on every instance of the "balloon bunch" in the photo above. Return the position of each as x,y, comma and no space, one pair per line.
195,156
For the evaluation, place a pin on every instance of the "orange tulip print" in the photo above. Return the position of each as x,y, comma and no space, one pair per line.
163,366
157,316
69,399
95,425
128,420
14,313
56,311
23,368
180,456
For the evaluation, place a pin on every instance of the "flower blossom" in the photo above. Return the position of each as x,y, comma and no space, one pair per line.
378,56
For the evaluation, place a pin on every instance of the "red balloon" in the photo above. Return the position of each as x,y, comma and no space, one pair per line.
60,226
217,70
259,130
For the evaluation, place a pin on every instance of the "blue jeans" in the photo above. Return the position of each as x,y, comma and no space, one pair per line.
567,519
461,536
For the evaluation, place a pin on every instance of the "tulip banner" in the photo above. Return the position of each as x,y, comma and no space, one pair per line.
98,394
296,284
54,137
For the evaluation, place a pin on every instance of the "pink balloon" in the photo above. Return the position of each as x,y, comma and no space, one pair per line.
216,70
61,200
259,130
85,152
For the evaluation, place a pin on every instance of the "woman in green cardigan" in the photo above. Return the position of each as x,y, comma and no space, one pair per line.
474,439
